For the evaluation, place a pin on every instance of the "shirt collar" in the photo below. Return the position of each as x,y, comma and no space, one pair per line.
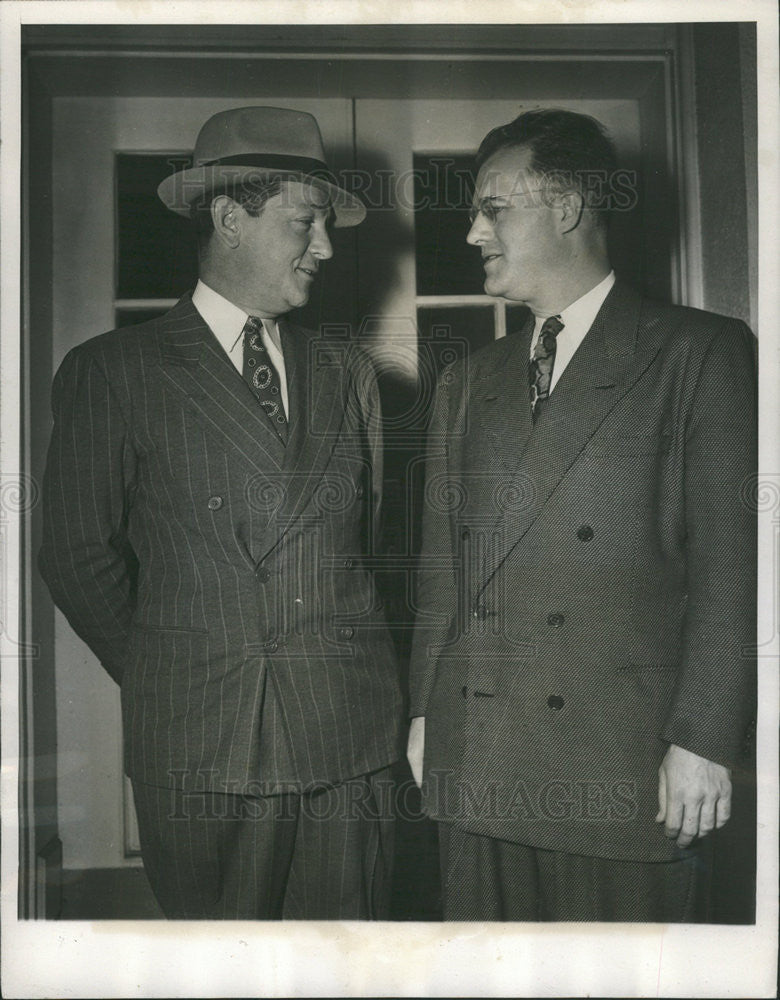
578,317
224,319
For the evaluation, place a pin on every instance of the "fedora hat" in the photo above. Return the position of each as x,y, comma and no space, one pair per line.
257,142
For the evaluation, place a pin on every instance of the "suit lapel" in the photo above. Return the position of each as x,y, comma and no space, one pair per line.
199,373
500,399
315,381
604,368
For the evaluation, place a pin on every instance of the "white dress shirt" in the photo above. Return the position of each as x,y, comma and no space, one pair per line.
226,321
577,319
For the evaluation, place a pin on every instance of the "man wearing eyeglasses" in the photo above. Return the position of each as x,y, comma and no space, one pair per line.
581,681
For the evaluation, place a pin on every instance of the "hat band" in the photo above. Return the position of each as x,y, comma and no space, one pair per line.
276,161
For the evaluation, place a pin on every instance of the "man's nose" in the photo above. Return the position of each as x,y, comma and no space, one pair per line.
479,231
320,246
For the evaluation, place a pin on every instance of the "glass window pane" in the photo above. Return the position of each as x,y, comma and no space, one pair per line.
446,264
156,249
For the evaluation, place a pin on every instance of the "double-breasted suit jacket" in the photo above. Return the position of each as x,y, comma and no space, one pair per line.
587,585
215,572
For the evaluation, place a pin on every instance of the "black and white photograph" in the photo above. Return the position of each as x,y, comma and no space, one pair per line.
390,505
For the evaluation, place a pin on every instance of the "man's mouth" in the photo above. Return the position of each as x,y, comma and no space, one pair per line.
308,271
488,257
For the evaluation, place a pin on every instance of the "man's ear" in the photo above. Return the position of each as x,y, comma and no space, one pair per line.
571,205
224,216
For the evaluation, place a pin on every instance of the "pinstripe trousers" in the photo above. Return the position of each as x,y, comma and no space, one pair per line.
484,878
322,855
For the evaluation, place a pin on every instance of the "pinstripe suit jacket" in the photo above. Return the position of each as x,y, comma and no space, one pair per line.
587,593
216,573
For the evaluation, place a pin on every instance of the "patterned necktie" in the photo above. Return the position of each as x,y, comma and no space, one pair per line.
540,367
262,376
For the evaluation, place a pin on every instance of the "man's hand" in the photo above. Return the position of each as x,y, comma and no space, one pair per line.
415,748
694,795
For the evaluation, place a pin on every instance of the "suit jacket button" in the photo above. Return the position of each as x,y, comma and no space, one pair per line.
348,563
555,620
585,533
359,491
555,702
263,574
215,503
347,632
271,645
480,612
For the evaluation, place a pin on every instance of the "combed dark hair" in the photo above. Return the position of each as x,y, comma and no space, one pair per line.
251,194
567,150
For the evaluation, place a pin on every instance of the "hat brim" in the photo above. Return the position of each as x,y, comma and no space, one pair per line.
181,189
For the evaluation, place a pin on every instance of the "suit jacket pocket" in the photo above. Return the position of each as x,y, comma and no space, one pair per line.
169,663
629,446
184,629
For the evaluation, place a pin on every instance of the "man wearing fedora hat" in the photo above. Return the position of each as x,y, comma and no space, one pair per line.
211,490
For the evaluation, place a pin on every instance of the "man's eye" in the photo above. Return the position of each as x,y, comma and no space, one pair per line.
486,209
305,222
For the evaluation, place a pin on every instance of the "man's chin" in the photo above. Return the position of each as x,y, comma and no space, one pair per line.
494,288
298,302
499,290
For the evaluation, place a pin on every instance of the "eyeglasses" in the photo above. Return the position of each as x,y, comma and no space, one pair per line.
489,210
